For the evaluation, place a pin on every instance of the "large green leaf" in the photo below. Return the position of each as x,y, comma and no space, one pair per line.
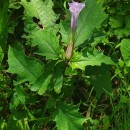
29,14
48,44
26,68
67,117
41,84
45,12
38,15
52,78
40,9
100,78
95,58
125,50
90,17
29,10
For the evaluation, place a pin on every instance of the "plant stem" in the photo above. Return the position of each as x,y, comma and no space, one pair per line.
70,47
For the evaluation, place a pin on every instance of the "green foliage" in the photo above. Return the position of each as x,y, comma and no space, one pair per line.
81,60
21,65
3,23
100,78
43,81
68,118
40,89
91,17
1,55
46,16
47,43
125,50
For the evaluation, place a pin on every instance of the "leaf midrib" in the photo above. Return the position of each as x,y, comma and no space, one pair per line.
24,65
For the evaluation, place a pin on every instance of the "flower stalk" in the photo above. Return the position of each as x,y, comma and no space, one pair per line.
75,9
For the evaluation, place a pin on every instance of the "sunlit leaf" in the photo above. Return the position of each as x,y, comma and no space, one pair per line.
81,60
40,9
45,12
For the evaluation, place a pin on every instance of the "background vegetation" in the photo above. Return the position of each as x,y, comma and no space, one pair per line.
40,90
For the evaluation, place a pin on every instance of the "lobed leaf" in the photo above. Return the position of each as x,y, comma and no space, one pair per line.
26,68
67,117
81,60
48,44
40,9
45,12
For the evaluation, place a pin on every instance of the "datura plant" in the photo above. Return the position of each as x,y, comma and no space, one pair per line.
64,65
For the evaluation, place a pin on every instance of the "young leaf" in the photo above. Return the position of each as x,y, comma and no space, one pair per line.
67,117
91,17
81,60
125,50
26,68
48,44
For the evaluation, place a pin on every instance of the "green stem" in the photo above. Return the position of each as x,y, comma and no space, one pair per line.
70,47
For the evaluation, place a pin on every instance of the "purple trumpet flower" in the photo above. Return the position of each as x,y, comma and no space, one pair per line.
75,9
